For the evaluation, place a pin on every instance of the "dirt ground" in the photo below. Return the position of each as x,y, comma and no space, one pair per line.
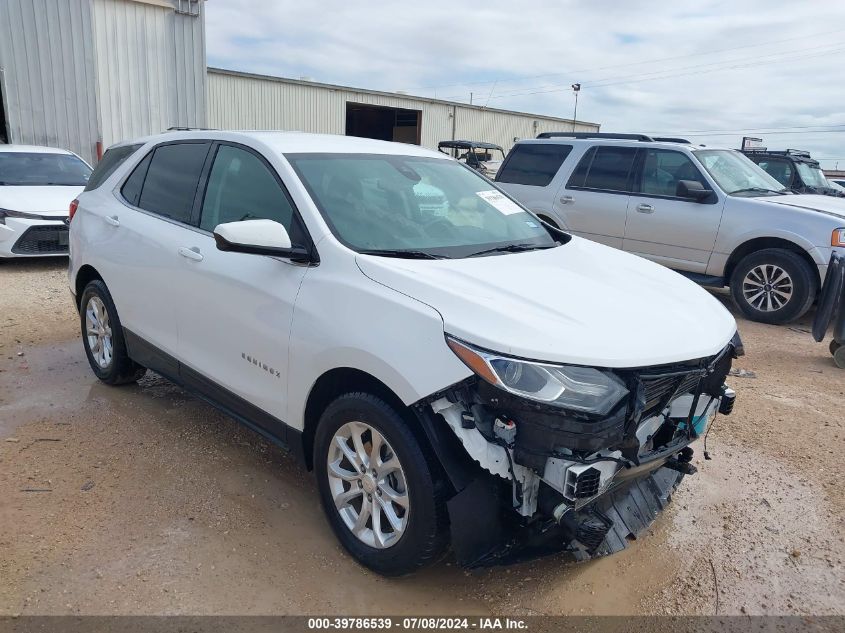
145,500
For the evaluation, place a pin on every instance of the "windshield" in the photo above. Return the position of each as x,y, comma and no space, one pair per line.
812,175
736,173
408,203
37,169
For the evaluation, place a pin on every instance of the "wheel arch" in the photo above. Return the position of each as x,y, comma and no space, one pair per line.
333,384
85,275
760,243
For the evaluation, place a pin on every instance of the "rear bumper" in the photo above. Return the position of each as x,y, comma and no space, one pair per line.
33,238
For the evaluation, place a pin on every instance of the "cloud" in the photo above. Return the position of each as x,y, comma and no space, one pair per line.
648,65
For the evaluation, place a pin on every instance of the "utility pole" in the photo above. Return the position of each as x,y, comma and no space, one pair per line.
576,88
470,98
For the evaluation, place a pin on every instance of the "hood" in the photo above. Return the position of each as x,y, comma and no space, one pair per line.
829,205
46,200
581,303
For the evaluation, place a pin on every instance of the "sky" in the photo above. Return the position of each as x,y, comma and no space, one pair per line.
712,71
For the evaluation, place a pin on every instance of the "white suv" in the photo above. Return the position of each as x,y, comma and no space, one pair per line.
452,372
709,213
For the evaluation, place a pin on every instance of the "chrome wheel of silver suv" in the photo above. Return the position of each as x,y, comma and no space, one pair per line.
767,287
368,485
773,285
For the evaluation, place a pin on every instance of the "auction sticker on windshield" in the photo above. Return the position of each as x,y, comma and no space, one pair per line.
499,201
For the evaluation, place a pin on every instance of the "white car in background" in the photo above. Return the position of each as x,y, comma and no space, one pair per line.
37,185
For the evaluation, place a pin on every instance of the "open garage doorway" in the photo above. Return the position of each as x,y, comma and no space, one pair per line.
383,123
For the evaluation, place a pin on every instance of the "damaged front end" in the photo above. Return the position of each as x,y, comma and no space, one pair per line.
555,458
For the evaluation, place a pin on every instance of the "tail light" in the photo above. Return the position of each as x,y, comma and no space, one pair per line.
72,210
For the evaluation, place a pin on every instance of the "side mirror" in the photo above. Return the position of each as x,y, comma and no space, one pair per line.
692,190
259,237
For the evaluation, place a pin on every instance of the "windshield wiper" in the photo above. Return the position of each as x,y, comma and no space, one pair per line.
387,252
510,248
781,192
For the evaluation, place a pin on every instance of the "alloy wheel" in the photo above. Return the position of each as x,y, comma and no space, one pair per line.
767,287
368,485
98,331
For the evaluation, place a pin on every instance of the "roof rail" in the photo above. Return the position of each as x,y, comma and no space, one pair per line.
672,139
177,128
629,137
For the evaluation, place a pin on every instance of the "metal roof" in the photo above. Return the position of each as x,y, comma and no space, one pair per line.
398,95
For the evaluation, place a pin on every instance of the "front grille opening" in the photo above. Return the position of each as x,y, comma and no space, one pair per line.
43,240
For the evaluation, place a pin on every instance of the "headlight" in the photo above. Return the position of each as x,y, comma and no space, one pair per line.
838,237
6,213
567,386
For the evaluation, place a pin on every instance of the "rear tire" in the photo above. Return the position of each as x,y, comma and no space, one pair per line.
773,285
102,337
368,463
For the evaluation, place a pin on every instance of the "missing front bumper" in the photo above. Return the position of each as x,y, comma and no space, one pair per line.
600,529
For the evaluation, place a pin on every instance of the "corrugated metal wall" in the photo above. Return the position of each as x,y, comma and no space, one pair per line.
150,64
48,74
242,101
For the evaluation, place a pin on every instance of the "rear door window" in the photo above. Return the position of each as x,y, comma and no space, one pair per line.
171,180
111,160
608,168
533,164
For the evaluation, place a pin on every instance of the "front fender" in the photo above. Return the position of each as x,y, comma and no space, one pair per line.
344,321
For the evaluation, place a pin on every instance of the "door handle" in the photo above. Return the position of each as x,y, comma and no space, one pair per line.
192,253
566,199
112,219
645,208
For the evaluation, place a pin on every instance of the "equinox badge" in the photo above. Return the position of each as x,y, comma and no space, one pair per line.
260,365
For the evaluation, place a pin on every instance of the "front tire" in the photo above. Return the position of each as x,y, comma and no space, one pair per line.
377,486
773,285
102,337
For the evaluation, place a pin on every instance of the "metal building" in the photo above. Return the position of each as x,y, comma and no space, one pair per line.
238,100
83,74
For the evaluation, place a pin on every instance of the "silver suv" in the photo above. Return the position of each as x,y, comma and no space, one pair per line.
708,213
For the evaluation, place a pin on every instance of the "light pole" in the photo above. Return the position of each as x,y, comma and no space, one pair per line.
576,88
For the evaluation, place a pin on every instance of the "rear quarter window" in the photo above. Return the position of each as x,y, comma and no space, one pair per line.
111,160
533,164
